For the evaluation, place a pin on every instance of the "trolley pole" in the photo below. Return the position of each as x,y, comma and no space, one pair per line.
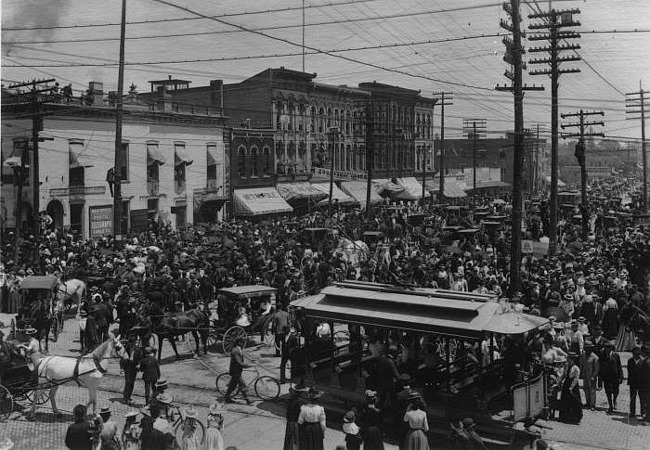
580,156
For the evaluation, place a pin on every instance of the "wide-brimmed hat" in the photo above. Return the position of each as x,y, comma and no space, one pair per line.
313,394
215,409
349,417
165,399
468,422
405,378
31,331
161,384
568,297
83,313
414,395
131,414
370,393
191,413
560,360
581,319
105,410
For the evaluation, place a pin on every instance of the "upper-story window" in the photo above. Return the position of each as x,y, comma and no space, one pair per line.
241,158
255,153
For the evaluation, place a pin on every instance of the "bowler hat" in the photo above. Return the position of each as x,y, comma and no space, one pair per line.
105,410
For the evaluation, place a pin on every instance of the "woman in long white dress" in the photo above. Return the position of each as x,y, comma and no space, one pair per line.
213,436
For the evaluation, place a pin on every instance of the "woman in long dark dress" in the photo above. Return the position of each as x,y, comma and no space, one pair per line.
570,401
611,321
292,434
312,422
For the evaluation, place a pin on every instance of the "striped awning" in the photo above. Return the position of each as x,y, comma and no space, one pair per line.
259,201
412,189
359,191
338,196
300,191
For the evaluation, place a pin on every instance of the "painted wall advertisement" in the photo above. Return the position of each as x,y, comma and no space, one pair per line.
101,221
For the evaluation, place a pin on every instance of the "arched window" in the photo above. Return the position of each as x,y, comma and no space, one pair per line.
348,120
321,120
266,152
241,156
312,123
329,117
255,152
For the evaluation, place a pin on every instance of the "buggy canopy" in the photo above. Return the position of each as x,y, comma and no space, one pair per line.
47,282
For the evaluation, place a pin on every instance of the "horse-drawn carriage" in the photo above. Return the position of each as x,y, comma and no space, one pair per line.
242,311
39,309
17,383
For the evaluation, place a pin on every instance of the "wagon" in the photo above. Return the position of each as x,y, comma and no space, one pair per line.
17,383
231,325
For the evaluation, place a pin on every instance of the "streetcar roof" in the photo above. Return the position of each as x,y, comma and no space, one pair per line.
427,310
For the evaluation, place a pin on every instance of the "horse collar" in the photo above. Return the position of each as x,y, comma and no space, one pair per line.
97,362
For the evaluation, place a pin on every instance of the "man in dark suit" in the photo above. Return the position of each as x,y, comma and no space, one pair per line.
611,372
78,436
150,371
102,315
644,385
280,329
634,380
130,367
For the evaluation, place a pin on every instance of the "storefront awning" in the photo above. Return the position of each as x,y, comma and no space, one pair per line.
338,196
293,192
259,201
560,183
359,191
453,188
181,156
154,155
412,189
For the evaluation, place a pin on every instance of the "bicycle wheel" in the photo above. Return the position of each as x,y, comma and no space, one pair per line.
267,388
222,383
200,430
6,403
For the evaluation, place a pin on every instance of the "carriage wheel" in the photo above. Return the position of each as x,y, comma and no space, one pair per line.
6,403
231,336
41,396
267,388
222,383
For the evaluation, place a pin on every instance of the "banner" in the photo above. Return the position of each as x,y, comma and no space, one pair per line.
101,221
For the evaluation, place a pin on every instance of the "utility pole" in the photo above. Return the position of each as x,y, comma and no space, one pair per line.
119,146
554,21
424,155
444,99
474,129
37,126
513,56
332,133
580,156
370,149
635,107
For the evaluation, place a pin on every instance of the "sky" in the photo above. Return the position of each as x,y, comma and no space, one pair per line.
428,45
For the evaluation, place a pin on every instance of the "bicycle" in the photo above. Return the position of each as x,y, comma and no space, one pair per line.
265,386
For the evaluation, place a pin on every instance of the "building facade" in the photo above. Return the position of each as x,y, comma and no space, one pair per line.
176,167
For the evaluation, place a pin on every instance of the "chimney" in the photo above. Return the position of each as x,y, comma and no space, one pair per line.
216,93
96,91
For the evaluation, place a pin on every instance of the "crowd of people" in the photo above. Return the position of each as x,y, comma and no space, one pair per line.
595,291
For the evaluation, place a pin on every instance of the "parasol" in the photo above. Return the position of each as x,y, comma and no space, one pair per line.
555,311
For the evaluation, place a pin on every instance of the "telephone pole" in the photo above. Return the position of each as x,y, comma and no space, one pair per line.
37,126
444,100
370,149
474,129
635,107
513,56
120,154
580,156
554,21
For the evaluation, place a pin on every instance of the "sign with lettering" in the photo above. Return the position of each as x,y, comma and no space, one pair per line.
139,220
527,246
101,221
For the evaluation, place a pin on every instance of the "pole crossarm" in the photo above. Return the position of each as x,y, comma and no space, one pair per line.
635,110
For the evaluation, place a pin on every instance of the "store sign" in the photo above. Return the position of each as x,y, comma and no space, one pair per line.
101,221
139,220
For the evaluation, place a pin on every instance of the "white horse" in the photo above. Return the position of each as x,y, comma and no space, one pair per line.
72,289
86,371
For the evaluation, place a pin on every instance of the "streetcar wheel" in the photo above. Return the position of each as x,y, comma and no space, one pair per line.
6,403
231,336
267,388
41,396
222,383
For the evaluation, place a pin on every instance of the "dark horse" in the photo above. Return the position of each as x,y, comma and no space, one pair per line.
38,314
194,321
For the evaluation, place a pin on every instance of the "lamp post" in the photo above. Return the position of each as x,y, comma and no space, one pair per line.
332,133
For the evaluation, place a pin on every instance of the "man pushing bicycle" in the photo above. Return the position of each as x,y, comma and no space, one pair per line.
237,366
